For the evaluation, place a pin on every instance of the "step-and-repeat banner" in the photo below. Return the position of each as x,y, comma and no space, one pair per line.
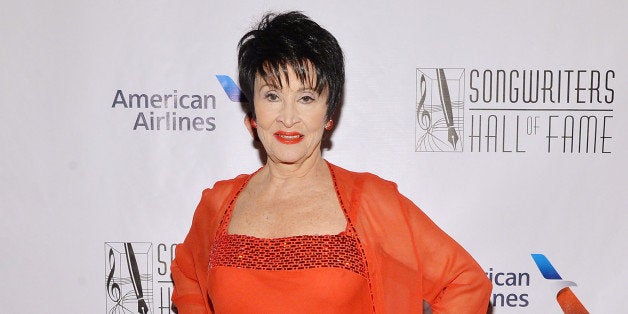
505,121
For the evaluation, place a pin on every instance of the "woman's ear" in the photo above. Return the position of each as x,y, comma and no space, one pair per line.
250,125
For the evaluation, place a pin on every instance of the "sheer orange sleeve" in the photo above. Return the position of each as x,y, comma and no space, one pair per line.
189,267
453,282
187,294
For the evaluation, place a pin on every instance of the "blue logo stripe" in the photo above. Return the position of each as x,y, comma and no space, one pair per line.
231,88
547,270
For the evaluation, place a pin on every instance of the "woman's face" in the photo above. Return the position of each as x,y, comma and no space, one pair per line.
290,119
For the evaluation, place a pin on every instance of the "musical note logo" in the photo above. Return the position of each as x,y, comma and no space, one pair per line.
129,277
440,109
113,289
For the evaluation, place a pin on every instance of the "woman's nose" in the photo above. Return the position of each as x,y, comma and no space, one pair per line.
288,115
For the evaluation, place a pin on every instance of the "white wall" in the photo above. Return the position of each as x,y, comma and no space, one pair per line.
75,175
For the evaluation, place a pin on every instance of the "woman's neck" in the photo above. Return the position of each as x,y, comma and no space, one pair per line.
277,173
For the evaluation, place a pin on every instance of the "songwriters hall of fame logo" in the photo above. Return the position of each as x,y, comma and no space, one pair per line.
439,123
128,277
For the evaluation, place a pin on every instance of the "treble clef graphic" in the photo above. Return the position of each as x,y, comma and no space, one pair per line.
445,101
134,271
423,116
113,289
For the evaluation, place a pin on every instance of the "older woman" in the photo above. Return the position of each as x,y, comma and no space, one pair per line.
301,235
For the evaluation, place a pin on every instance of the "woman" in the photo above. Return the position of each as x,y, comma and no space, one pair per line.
301,235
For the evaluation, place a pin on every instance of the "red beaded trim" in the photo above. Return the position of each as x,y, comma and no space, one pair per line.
289,253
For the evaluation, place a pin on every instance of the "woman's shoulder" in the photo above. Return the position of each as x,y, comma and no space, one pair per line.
229,183
226,186
214,198
364,180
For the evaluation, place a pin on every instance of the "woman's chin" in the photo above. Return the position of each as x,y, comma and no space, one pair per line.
286,160
291,159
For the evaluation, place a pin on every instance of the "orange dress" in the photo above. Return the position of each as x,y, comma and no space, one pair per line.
299,274
407,259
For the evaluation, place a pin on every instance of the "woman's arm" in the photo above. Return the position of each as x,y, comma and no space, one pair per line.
187,295
453,282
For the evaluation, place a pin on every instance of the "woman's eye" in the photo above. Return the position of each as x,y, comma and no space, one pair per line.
272,97
307,99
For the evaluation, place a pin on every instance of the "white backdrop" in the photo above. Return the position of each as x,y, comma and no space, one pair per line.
75,176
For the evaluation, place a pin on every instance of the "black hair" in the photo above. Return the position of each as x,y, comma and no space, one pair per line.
291,39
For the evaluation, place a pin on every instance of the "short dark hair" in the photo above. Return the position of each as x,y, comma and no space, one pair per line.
291,39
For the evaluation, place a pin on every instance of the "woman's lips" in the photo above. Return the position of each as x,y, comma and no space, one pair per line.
288,137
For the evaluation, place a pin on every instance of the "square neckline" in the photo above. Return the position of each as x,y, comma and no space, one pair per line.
223,229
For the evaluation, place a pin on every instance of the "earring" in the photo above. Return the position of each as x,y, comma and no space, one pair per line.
329,125
253,124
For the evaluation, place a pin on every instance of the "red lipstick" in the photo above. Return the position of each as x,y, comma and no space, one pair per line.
288,137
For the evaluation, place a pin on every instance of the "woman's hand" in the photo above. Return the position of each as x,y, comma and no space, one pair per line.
427,309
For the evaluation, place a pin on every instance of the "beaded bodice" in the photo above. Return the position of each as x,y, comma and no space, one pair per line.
289,253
